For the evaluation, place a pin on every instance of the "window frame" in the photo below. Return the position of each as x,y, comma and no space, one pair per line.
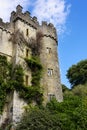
49,72
48,50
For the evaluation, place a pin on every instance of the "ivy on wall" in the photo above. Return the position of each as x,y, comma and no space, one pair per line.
14,81
36,69
5,83
33,92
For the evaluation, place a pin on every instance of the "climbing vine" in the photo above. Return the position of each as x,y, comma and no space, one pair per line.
36,69
4,80
33,92
13,79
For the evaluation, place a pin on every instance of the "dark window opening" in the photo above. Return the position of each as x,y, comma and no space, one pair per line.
48,50
27,32
11,109
27,53
51,96
26,80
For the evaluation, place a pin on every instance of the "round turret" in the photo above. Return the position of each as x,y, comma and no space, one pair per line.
49,58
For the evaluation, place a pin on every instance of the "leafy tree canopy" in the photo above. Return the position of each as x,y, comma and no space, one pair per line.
77,74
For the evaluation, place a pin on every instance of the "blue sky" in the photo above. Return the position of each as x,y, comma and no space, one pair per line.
73,45
70,19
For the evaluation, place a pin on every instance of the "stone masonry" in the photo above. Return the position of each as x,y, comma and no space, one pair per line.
50,81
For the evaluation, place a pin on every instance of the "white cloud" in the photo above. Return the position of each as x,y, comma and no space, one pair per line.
54,11
7,6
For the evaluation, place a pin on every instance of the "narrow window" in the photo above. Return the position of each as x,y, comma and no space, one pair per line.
26,80
27,32
50,72
11,109
27,53
51,96
48,50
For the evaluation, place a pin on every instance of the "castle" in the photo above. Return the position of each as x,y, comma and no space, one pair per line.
29,26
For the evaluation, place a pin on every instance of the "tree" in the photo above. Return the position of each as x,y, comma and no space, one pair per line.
64,88
77,74
71,114
39,119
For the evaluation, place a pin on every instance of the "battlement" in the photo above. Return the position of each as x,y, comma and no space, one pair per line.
49,30
4,29
25,17
3,24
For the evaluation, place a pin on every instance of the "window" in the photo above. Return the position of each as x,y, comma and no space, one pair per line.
50,96
27,32
26,80
11,109
48,50
27,53
50,72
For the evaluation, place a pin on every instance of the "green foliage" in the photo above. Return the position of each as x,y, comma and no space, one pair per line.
34,63
64,88
39,119
80,90
4,80
12,79
77,74
28,93
73,109
71,114
36,68
2,96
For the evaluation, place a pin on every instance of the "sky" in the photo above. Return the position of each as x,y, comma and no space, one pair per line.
70,19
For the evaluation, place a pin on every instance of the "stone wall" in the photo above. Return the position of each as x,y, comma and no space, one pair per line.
16,52
51,75
6,46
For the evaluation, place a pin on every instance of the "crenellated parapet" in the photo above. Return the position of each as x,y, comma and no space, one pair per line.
49,30
4,29
4,25
25,17
1,22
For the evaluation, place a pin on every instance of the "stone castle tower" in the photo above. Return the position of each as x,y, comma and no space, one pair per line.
15,53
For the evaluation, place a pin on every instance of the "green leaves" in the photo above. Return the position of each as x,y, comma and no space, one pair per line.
4,81
77,74
71,114
36,69
34,62
13,79
39,119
